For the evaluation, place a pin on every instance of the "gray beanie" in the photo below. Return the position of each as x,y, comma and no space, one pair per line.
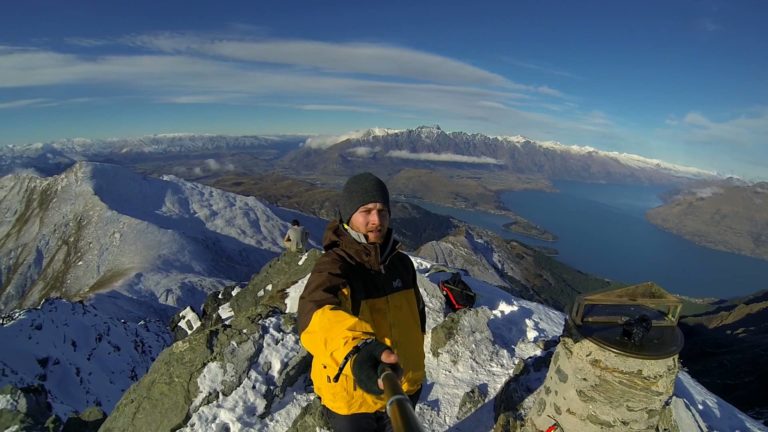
359,190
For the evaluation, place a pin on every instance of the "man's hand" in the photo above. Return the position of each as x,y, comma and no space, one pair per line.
390,359
368,365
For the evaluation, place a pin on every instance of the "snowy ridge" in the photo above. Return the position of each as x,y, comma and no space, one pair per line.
77,148
628,159
431,143
165,240
325,141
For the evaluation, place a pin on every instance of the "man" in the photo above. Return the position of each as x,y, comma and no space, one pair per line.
361,310
296,237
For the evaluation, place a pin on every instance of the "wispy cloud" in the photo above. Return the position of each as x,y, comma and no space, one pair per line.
709,25
358,58
721,143
597,119
363,152
22,103
743,131
88,42
443,157
214,165
299,74
42,102
317,107
540,68
218,98
492,104
191,78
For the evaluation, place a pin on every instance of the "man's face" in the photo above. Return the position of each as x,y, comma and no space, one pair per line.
372,220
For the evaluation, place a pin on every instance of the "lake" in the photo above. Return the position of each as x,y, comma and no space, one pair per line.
602,230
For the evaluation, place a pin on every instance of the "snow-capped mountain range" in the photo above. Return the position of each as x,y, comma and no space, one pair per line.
518,154
160,143
103,231
389,149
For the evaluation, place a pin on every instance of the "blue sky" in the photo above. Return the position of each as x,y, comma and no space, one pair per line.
682,81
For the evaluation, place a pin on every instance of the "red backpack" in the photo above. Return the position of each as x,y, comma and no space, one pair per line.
458,295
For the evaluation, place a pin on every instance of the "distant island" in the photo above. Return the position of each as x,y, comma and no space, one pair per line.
529,229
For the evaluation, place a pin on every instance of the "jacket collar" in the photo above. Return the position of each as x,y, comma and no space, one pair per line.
353,247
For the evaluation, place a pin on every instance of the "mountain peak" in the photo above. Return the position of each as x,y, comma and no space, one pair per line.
434,127
326,141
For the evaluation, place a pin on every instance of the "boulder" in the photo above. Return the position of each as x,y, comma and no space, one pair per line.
26,409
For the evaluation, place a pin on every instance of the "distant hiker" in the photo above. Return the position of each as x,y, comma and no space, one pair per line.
296,238
361,310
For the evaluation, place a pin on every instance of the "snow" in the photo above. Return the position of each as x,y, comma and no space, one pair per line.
226,313
714,412
242,409
628,159
294,292
83,356
8,403
189,320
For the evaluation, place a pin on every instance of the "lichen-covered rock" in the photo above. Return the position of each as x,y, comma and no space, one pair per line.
26,409
311,418
464,323
471,401
88,421
527,376
506,422
267,289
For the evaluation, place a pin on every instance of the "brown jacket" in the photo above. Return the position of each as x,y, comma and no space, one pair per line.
358,291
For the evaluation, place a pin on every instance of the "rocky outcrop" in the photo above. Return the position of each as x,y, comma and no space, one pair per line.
214,360
89,420
459,325
471,401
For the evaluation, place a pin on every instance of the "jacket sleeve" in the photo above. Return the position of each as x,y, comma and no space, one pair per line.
325,327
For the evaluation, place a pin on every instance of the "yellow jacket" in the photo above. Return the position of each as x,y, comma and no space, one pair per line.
359,291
